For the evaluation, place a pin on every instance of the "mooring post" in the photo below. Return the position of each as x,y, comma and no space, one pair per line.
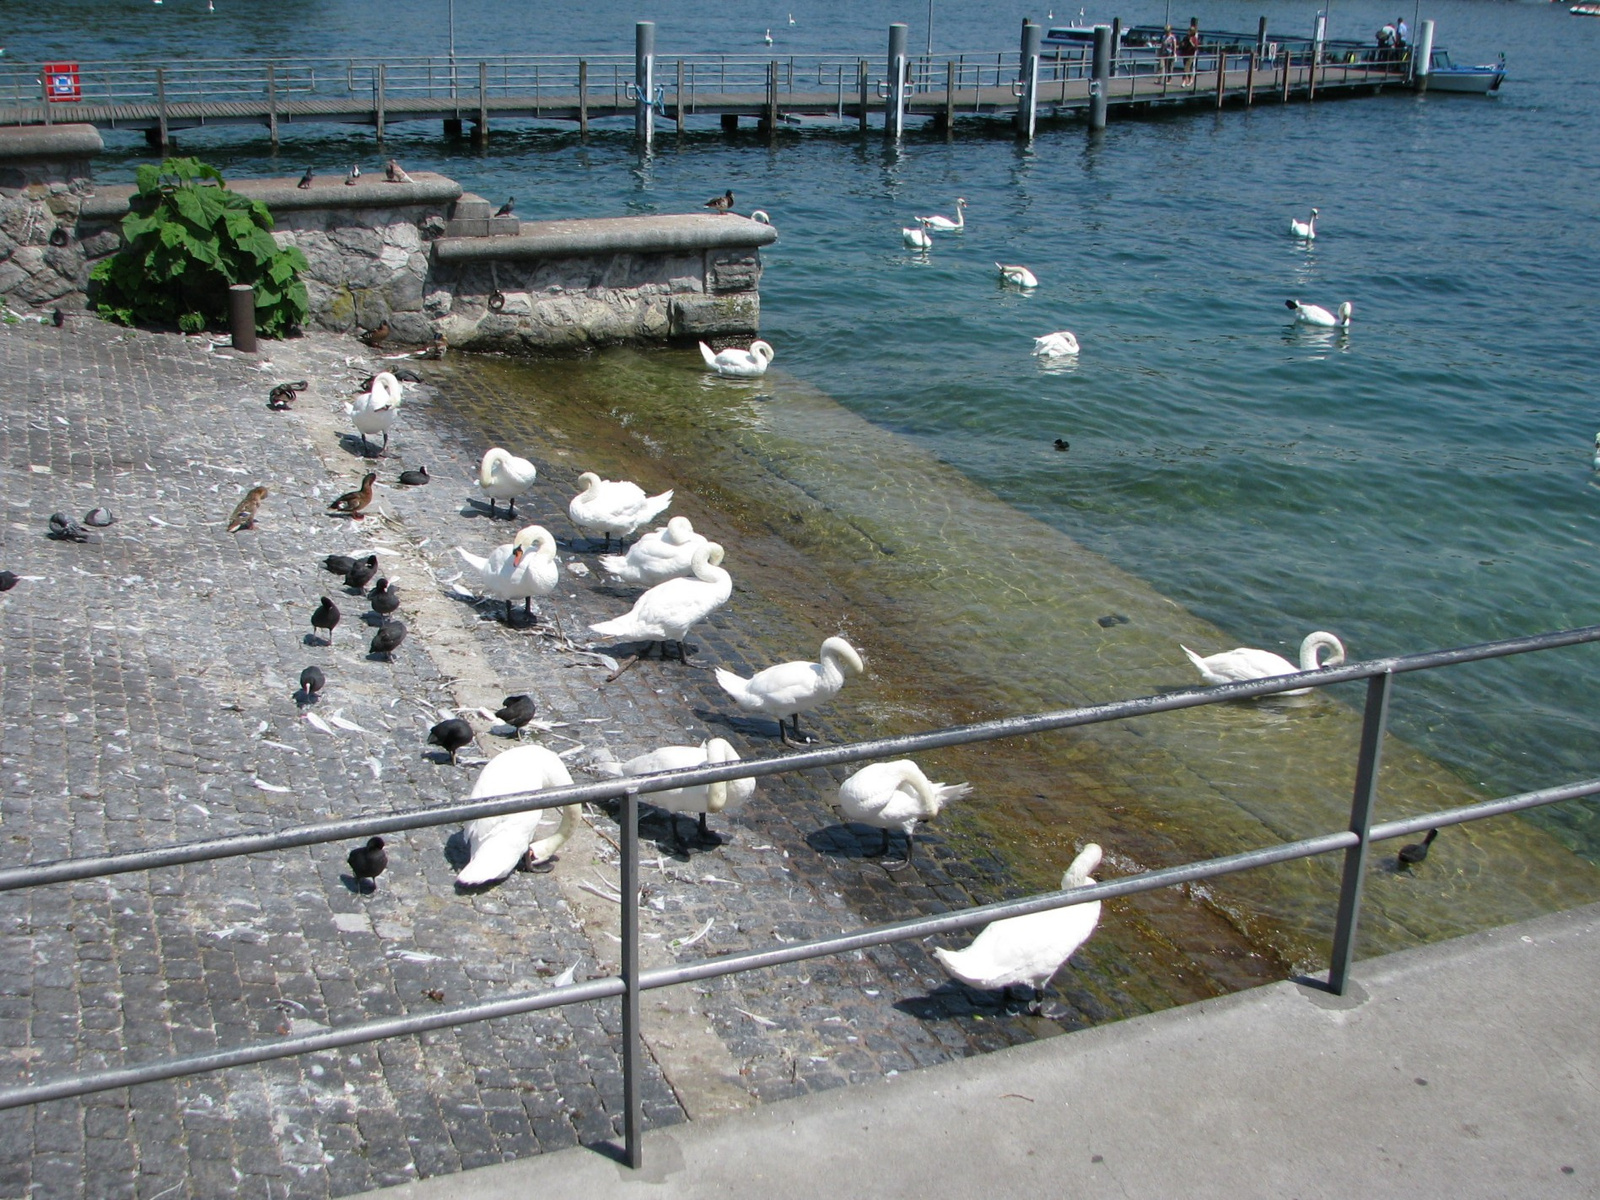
894,113
1028,77
1316,55
680,100
1255,59
1116,43
1222,73
480,131
644,67
1288,73
383,91
242,316
1099,76
272,104
949,100
1422,56
772,101
861,77
583,99
161,100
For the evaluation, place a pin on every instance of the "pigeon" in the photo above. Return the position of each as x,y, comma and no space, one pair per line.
99,517
505,210
64,529
57,318
8,580
1063,445
367,863
395,173
361,572
375,337
244,513
285,394
339,564
414,478
452,735
305,180
385,599
355,174
517,711
351,503
325,618
1411,855
311,681
388,638
722,203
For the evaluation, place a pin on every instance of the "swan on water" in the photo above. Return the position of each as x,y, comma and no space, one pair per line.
1055,345
1306,229
1020,276
669,610
662,554
511,573
741,364
768,37
1029,949
945,224
789,689
500,844
917,237
504,476
701,798
1237,666
896,795
1315,314
1595,462
613,506
375,411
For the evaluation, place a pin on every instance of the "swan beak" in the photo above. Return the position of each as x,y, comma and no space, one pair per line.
516,556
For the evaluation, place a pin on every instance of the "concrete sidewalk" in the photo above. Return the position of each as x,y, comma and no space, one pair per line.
1466,1068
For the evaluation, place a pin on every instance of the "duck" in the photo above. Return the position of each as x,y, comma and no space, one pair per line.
742,364
701,798
416,477
1055,345
896,795
1237,666
788,689
367,863
722,203
613,506
451,734
374,411
350,504
1315,314
504,476
669,610
1306,229
312,681
498,845
516,711
662,554
387,640
1416,852
325,618
1020,276
511,573
362,571
945,224
1029,949
917,237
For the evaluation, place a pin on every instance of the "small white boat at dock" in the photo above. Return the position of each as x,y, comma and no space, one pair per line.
1443,76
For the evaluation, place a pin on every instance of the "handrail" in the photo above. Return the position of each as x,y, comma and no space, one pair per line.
632,981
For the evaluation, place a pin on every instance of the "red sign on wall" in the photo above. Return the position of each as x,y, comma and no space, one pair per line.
61,83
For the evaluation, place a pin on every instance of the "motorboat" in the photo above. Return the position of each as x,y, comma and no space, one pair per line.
1585,10
1445,76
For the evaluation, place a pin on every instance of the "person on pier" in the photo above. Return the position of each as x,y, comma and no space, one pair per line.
1191,52
1169,51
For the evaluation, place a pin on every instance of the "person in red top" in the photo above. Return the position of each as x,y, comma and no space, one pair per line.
1190,51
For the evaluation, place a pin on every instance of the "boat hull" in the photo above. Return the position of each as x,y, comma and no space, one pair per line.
1479,81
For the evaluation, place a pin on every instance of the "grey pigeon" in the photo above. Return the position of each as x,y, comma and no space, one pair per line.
99,517
64,529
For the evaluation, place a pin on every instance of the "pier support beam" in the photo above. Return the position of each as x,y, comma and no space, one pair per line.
1028,79
644,68
1422,56
1317,39
861,78
452,127
730,122
894,113
1099,77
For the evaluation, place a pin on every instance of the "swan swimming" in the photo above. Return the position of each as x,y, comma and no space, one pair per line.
945,224
741,364
613,506
504,476
374,411
1055,345
1306,229
1029,949
896,795
1020,276
662,554
791,688
1315,314
500,844
669,610
701,798
917,238
1237,666
511,573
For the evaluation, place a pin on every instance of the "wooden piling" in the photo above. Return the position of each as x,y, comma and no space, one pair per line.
480,131
583,99
161,99
1222,74
1288,73
772,101
1250,81
861,77
949,100
679,104
272,104
383,88
644,85
1028,108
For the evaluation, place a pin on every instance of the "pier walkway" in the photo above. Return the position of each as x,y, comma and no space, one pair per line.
1467,1068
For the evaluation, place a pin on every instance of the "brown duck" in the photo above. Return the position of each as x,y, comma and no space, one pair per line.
375,337
244,513
351,503
722,203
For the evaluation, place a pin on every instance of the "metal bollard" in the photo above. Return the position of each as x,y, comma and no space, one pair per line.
242,316
644,74
894,112
1100,80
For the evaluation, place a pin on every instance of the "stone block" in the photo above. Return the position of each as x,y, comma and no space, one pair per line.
102,243
403,234
436,302
11,278
404,293
503,226
467,227
714,316
410,328
357,239
66,261
732,271
471,207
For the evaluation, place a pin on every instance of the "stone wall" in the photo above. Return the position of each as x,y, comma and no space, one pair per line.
44,177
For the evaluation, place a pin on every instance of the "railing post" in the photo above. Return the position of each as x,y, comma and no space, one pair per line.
383,96
1028,102
583,99
861,78
272,103
1116,44
1422,56
949,100
633,1112
772,101
480,132
1373,721
1099,77
1222,73
44,94
894,113
644,66
161,103
1288,73
680,100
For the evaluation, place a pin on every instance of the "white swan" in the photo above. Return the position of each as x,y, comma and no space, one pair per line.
1020,276
945,224
760,215
701,798
743,364
510,573
896,795
791,688
612,506
1236,666
1306,229
1595,462
375,411
500,844
1029,949
660,555
1315,314
669,610
1055,345
917,237
504,476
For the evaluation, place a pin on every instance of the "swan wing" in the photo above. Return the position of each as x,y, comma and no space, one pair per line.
707,354
1237,666
788,687
1028,949
498,844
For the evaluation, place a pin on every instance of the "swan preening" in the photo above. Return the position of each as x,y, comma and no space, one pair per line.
660,555
1029,949
760,215
789,689
511,573
743,364
1020,276
1055,345
896,795
945,224
504,476
500,844
917,237
1315,314
374,411
669,610
613,506
701,798
1306,229
1238,666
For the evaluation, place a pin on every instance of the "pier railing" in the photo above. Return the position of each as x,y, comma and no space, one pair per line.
1362,831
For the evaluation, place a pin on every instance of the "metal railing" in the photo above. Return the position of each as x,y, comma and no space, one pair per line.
1355,841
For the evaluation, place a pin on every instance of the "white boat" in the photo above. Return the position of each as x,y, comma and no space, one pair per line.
1444,76
1585,10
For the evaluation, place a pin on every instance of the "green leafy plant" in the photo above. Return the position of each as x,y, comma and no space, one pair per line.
186,239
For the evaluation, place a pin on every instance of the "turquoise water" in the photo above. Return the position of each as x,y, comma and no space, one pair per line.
1422,480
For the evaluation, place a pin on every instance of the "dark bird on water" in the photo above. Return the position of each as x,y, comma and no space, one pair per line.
721,204
367,863
1063,444
415,477
8,580
351,503
99,517
452,735
244,513
436,348
64,529
506,209
339,564
285,394
325,618
395,173
375,337
305,180
1417,851
385,599
361,572
388,638
311,681
58,318
516,711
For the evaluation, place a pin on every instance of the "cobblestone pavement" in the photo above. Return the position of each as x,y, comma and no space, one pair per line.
146,697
